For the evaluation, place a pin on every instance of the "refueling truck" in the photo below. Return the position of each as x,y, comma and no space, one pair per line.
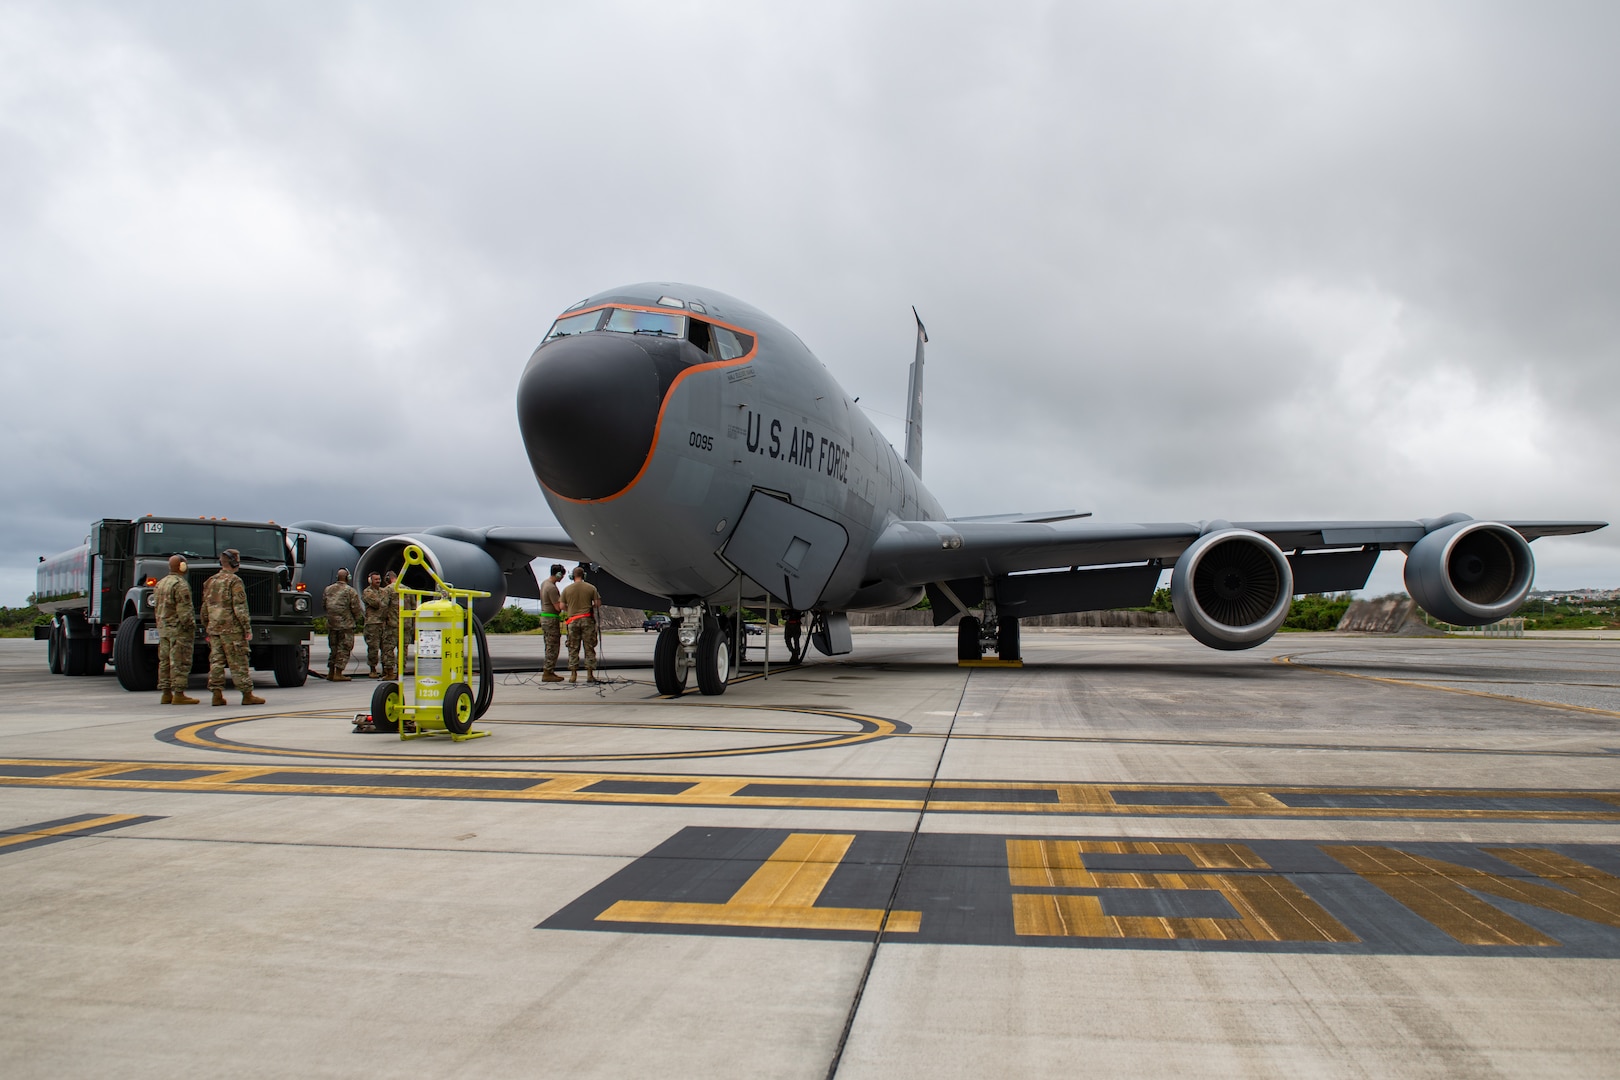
99,596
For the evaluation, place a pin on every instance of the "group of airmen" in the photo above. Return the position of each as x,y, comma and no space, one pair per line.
377,610
225,623
574,610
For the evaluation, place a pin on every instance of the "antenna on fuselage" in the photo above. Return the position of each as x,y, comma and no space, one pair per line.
914,396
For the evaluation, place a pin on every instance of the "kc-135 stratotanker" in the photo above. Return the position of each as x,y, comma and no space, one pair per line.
700,456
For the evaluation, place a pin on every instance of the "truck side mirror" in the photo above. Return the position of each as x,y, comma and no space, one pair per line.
300,546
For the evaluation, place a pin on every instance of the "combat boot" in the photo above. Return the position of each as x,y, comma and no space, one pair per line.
219,697
168,698
373,674
250,698
180,698
390,675
338,676
551,676
573,676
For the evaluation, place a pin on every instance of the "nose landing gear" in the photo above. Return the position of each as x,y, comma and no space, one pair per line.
693,642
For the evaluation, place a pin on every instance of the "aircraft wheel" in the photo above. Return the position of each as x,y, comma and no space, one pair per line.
1007,639
713,659
968,646
136,661
54,649
384,699
458,708
291,664
669,662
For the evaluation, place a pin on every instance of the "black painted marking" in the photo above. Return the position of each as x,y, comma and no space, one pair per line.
1167,798
897,793
637,787
1331,800
166,775
37,770
962,887
401,780
68,832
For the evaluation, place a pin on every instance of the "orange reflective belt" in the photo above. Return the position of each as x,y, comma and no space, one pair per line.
576,618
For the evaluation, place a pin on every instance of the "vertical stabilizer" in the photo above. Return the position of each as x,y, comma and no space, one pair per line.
914,396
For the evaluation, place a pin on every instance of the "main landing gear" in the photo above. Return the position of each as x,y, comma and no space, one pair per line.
974,637
695,643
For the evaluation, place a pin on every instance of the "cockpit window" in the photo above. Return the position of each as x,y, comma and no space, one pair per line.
729,346
626,321
575,324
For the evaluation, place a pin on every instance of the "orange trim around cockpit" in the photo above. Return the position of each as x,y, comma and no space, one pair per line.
658,428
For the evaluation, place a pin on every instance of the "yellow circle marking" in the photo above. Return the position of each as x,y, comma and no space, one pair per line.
202,735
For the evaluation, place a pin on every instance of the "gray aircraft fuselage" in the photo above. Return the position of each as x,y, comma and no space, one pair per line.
649,426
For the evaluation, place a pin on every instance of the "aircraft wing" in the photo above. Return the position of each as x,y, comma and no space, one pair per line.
1103,565
917,552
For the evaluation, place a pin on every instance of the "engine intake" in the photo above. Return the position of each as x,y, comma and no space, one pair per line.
1470,573
464,565
1232,589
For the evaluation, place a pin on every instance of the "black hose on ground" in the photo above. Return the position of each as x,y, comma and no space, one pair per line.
486,672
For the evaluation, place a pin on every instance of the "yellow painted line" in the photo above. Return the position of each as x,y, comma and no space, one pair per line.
1288,660
1092,799
780,895
65,830
990,663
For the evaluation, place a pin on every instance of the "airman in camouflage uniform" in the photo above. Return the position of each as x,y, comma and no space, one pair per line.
177,632
375,599
343,610
228,625
551,622
581,606
390,640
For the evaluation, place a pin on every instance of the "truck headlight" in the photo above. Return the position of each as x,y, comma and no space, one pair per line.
301,604
146,599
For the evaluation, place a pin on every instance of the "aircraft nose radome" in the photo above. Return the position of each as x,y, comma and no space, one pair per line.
588,409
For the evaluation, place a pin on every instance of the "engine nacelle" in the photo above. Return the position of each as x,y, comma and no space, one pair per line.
464,565
1470,573
1232,589
324,556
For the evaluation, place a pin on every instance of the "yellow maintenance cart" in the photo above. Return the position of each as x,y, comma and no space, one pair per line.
443,628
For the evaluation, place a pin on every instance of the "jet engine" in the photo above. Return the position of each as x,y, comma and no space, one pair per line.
1232,588
464,565
1471,572
324,556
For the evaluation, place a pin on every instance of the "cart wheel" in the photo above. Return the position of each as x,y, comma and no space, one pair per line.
384,699
458,708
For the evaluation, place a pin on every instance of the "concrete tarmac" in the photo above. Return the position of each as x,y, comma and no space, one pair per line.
1329,856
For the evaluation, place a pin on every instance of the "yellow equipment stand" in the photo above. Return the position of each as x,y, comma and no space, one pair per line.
442,630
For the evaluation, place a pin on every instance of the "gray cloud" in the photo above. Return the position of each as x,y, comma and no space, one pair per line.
1177,261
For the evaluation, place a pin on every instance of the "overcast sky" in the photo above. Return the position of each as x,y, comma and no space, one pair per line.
1178,261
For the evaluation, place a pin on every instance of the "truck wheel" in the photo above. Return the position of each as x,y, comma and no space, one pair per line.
76,656
385,695
669,662
135,660
53,648
968,645
458,708
291,664
713,659
1007,639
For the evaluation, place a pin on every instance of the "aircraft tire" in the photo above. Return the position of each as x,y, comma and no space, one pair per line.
458,708
968,646
53,648
713,659
291,664
1008,645
136,661
669,662
380,698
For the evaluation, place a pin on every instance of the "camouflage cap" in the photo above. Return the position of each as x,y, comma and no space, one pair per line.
232,557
